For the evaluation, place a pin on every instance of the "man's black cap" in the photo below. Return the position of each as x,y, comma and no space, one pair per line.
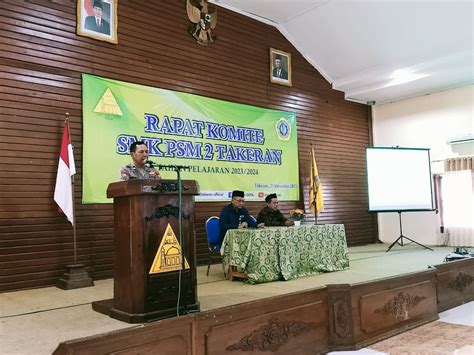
238,193
269,197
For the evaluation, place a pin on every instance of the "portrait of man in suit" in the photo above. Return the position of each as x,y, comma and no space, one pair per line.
96,22
279,71
280,67
97,19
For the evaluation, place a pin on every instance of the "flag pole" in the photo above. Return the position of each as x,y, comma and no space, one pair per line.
66,121
314,187
75,275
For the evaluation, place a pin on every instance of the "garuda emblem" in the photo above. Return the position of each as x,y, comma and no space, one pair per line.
204,21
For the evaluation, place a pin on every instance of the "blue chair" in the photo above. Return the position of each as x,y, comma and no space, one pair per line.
213,232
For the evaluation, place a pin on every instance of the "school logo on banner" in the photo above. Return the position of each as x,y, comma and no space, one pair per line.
283,129
107,104
168,256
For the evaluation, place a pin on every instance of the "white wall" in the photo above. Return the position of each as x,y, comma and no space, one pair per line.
428,121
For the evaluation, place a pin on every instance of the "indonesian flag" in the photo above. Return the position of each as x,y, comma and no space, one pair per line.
88,7
66,169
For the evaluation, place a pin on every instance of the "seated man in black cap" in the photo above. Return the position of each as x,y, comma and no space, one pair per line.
271,215
235,215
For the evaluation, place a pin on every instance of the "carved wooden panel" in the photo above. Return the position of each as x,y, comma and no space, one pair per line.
290,330
296,323
461,282
384,309
342,318
337,317
455,283
340,314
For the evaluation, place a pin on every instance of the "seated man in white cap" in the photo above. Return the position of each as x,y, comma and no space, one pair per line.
271,215
235,215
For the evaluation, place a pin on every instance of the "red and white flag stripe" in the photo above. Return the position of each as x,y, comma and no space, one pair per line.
66,169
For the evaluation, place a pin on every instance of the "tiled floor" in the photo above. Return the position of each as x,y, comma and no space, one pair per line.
453,333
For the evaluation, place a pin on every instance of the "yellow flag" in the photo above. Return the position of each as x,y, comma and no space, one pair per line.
316,204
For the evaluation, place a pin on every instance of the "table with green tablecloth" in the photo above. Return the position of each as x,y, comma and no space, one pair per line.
275,253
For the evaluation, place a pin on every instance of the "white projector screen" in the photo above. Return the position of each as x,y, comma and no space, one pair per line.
399,179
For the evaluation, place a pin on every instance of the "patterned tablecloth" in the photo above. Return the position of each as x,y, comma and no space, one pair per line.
274,253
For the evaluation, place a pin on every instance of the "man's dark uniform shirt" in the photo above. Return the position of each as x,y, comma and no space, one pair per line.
230,218
271,217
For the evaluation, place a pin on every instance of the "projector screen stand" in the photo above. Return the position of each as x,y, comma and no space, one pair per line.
399,240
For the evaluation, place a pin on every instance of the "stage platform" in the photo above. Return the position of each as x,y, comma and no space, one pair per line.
339,310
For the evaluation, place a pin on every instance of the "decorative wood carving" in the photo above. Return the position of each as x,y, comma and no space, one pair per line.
460,282
400,305
164,211
271,336
341,318
168,187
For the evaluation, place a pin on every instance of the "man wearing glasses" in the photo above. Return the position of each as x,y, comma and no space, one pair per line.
235,215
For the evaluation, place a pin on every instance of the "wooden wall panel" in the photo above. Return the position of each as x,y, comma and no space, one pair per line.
41,62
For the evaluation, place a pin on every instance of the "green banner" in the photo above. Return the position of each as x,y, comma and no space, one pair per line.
227,146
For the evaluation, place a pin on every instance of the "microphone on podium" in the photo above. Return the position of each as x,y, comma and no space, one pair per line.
152,164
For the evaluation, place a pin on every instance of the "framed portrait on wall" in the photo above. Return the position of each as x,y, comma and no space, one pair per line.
97,19
280,67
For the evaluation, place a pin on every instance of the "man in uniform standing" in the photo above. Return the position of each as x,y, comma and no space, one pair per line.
138,169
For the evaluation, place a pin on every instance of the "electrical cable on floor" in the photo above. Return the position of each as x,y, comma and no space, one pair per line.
180,227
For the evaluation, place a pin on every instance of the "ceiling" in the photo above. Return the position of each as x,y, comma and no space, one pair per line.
376,51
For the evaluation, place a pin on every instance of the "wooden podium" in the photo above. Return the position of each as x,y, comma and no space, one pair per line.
147,260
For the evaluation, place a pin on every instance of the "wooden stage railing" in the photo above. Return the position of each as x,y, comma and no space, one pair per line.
335,317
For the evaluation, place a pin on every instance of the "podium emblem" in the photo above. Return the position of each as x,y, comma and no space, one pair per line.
169,255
